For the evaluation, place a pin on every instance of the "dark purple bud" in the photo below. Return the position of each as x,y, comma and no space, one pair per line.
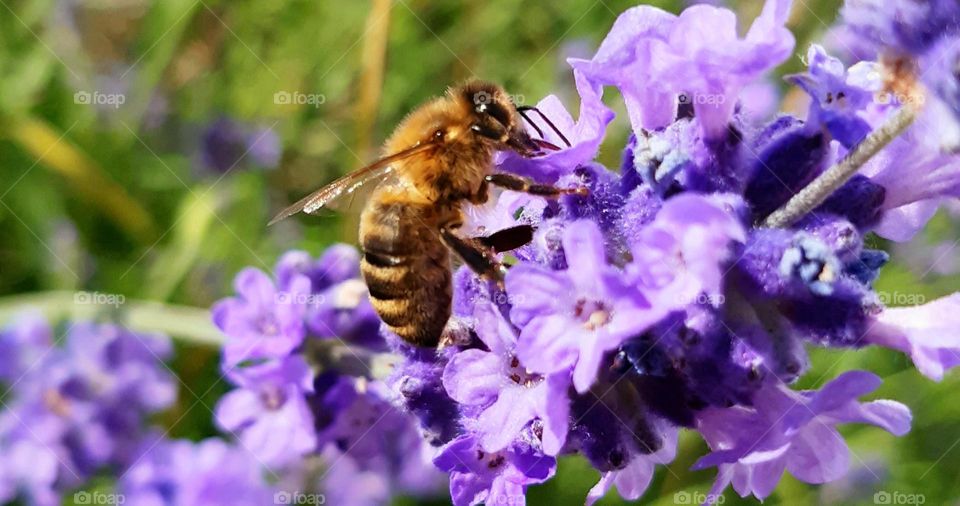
866,268
837,319
783,167
859,200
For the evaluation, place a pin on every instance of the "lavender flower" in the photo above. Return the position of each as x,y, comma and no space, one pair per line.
500,477
575,333
794,431
76,408
225,143
507,395
911,199
22,346
584,136
298,399
838,98
901,25
928,333
182,473
683,252
269,412
652,57
632,481
262,322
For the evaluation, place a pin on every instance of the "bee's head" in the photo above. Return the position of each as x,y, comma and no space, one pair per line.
494,117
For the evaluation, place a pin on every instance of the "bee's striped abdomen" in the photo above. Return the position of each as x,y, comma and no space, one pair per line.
406,269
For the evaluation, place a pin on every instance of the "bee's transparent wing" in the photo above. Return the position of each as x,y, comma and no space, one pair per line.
346,187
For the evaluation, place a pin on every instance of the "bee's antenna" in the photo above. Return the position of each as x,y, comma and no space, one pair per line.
524,108
523,112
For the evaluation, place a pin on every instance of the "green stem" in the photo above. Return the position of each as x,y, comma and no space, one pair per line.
190,324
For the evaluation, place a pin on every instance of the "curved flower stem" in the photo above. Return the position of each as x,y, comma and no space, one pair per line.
833,178
190,324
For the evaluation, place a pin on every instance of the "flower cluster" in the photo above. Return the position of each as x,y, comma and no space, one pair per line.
659,302
75,406
300,351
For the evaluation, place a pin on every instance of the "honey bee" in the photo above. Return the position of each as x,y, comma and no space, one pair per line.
440,157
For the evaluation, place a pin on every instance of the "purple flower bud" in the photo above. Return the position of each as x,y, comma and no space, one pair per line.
224,144
784,166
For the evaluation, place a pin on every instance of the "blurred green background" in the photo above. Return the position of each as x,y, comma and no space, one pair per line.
144,146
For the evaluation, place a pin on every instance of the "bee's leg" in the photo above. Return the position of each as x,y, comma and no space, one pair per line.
508,238
521,184
482,194
480,257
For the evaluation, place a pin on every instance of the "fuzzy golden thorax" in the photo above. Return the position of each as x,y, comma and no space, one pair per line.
468,125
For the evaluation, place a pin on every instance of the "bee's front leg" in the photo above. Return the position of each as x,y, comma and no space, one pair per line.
508,238
480,257
521,184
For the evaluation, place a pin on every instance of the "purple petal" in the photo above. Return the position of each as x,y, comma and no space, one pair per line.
930,333
549,344
494,330
236,408
847,387
588,363
583,246
283,436
533,290
500,424
255,287
759,477
631,481
637,38
468,489
818,454
554,412
585,136
455,455
530,466
891,416
474,377
504,491
902,223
